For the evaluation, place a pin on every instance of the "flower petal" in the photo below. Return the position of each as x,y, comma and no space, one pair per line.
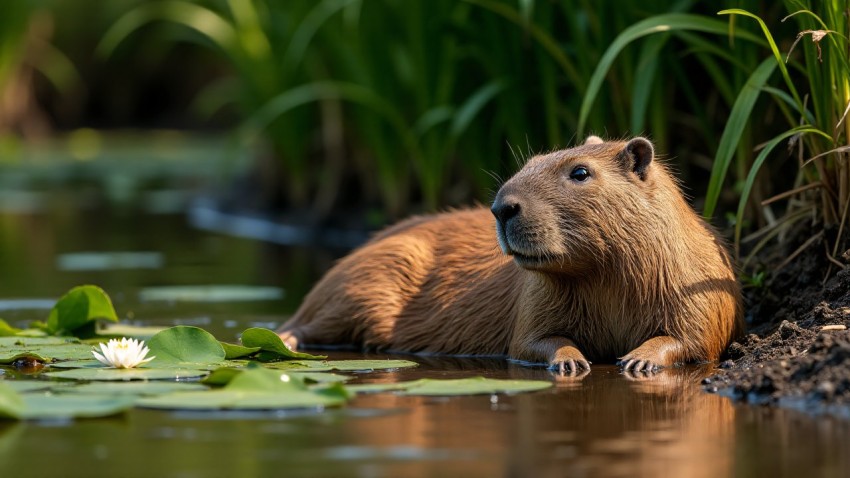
101,358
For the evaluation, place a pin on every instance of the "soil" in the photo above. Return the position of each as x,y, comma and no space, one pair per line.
797,350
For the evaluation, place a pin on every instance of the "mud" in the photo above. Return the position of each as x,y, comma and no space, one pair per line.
797,351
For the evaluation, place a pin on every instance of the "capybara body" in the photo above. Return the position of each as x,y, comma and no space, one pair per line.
587,254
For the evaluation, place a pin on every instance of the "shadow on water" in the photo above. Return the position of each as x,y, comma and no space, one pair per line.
604,424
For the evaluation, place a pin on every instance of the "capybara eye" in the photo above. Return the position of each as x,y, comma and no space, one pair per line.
580,173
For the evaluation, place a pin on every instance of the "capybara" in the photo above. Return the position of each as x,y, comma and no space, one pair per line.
587,254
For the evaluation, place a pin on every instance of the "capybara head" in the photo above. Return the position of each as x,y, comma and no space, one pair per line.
571,210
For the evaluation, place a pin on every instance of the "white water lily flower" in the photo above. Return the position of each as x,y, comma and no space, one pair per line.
124,353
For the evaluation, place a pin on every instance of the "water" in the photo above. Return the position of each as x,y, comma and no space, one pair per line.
601,425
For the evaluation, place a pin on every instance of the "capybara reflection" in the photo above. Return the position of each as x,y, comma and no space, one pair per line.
596,256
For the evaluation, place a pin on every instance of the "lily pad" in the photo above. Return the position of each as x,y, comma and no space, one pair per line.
462,386
46,353
185,344
18,342
341,365
210,293
28,386
23,386
272,347
78,307
73,406
321,377
10,356
254,389
233,351
7,330
134,388
225,375
88,364
221,376
11,402
127,374
299,366
77,364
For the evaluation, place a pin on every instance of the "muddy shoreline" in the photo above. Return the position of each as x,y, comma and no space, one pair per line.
796,352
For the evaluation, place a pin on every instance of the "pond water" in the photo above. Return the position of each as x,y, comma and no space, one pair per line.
601,425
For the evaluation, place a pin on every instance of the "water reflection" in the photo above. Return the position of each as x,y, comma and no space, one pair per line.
599,424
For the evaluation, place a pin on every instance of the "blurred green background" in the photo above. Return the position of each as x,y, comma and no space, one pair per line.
354,113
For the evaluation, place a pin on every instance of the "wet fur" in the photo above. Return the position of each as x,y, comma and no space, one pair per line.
626,269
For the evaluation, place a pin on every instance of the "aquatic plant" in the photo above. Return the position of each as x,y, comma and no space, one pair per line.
817,134
124,353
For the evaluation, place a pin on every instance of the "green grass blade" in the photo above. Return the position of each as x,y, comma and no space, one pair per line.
473,105
58,68
656,24
738,119
308,28
202,20
317,91
541,36
647,68
773,48
433,118
756,167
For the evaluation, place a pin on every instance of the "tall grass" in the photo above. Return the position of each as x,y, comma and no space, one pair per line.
814,97
414,104
26,51
423,101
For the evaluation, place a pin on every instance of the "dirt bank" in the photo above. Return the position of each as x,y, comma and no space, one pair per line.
797,351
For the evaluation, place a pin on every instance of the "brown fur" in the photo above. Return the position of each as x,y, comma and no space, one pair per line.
616,266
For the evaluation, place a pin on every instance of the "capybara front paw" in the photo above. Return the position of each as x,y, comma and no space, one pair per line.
568,360
289,339
570,366
634,363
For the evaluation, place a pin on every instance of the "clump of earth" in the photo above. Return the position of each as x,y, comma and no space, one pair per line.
797,350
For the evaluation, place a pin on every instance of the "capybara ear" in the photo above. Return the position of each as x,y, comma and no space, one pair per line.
637,155
593,139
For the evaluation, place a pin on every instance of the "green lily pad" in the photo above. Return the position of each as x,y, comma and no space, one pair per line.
32,332
299,366
7,330
24,386
77,364
11,402
78,307
321,377
233,351
462,386
209,293
134,388
160,365
221,376
272,347
18,342
10,356
225,375
254,389
28,386
46,353
341,365
115,374
185,344
73,406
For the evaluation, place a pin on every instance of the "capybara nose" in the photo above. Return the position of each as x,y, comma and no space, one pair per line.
505,208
